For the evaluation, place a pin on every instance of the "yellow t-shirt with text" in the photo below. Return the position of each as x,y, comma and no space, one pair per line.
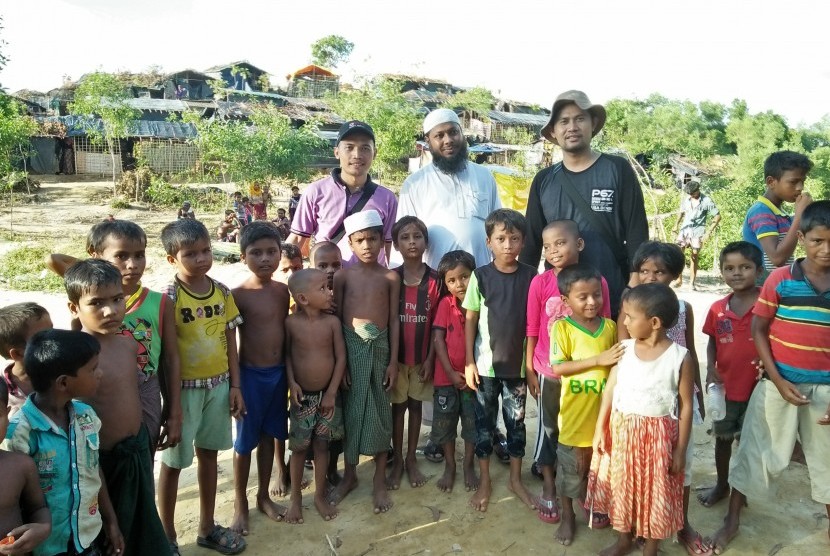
201,322
581,392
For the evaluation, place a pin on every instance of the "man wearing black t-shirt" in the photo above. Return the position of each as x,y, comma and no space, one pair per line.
600,192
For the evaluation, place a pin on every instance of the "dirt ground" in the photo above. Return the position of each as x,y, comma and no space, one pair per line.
423,521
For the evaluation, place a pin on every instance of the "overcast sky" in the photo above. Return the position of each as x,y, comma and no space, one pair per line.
772,54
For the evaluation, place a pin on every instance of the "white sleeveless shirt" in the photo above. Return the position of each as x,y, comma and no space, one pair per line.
648,388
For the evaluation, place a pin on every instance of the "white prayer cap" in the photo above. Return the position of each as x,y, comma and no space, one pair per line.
438,117
362,220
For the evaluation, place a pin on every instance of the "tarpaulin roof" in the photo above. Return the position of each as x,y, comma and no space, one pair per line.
515,118
311,69
77,126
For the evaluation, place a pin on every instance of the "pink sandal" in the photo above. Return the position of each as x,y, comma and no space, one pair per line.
548,510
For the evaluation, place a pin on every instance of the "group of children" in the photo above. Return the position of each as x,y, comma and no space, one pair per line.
354,349
243,213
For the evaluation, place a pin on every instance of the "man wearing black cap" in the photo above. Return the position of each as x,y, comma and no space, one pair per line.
691,230
600,192
348,190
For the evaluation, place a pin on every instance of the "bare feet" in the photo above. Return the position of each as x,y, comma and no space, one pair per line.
723,536
339,492
381,500
334,478
327,511
393,481
416,478
470,478
240,517
565,532
274,511
714,495
447,480
281,485
517,487
295,512
623,546
481,499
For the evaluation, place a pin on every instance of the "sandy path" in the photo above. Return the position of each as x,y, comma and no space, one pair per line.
787,522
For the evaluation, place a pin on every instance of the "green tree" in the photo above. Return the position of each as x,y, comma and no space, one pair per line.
478,100
102,95
3,58
395,120
331,51
266,148
15,130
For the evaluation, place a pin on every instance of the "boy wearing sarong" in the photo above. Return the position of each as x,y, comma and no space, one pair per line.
96,299
367,295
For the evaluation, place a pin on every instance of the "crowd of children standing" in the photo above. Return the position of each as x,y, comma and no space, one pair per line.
355,349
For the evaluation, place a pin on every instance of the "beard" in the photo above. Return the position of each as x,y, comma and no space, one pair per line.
451,164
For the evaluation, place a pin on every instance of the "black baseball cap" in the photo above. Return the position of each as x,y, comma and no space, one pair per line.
355,126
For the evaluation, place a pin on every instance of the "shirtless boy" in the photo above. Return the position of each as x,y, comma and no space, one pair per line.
18,323
24,518
316,362
367,302
263,304
96,299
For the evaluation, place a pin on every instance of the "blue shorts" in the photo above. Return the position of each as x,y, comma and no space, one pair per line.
265,391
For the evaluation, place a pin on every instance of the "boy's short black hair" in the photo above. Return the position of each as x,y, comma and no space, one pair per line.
453,259
298,281
566,224
747,250
279,210
14,324
257,230
374,229
235,193
671,255
290,251
570,275
52,353
817,214
509,218
87,274
655,300
322,247
228,212
117,229
182,233
406,221
777,163
245,199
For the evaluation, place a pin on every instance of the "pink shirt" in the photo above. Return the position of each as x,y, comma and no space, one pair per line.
544,307
323,206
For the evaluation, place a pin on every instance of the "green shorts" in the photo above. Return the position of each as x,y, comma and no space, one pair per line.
450,404
206,424
729,428
308,422
572,465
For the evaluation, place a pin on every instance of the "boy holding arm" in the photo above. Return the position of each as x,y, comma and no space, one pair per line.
496,302
367,296
206,321
789,327
55,430
316,362
263,304
96,299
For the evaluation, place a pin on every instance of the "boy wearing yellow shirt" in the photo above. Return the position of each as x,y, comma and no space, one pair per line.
582,350
206,321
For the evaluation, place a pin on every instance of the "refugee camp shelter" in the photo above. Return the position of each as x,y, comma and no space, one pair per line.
195,84
312,81
241,75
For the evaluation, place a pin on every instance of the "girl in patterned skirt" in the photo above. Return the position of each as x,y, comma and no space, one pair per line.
644,426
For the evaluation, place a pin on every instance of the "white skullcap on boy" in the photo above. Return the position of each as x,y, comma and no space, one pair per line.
362,220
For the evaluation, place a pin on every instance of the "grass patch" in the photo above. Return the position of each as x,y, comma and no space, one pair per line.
119,203
23,267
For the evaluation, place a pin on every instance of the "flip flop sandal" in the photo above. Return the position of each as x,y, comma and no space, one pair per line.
223,540
548,510
692,544
596,519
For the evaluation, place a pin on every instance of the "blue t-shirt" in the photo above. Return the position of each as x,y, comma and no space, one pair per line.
763,219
